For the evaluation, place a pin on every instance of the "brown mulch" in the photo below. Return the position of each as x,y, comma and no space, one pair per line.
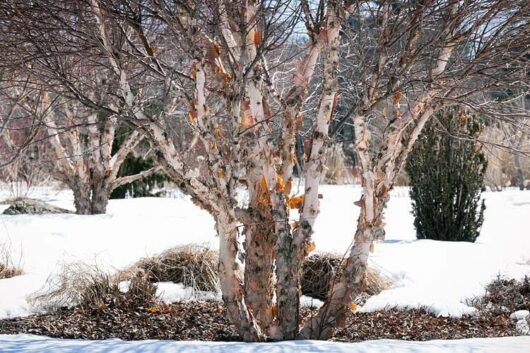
207,321
419,325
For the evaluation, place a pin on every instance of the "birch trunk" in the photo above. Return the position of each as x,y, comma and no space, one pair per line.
353,280
259,281
260,229
231,278
291,251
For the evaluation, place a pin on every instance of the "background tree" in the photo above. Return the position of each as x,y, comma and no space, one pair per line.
446,169
20,159
81,154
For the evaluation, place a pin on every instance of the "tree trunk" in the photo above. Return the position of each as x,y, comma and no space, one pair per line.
352,281
292,250
288,269
82,200
230,277
100,197
259,280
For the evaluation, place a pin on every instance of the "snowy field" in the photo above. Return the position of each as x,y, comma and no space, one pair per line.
36,344
437,275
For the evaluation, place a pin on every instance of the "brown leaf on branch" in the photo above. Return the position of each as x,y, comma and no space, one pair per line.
310,247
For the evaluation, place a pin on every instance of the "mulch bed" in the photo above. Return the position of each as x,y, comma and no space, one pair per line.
180,321
207,321
419,325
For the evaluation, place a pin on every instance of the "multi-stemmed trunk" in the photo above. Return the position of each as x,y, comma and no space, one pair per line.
92,199
88,167
273,245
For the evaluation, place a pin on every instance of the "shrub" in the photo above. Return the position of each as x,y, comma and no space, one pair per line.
196,267
446,169
140,160
7,271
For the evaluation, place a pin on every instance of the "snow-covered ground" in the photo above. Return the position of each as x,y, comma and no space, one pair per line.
36,344
433,274
437,275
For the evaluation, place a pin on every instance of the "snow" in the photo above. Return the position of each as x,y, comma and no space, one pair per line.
440,276
170,292
310,302
522,328
520,315
37,344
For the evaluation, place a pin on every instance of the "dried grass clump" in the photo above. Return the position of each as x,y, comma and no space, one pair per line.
320,270
90,287
8,268
192,265
505,295
8,271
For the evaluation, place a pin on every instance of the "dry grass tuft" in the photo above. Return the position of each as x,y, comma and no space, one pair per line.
8,268
87,286
319,270
90,287
192,265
